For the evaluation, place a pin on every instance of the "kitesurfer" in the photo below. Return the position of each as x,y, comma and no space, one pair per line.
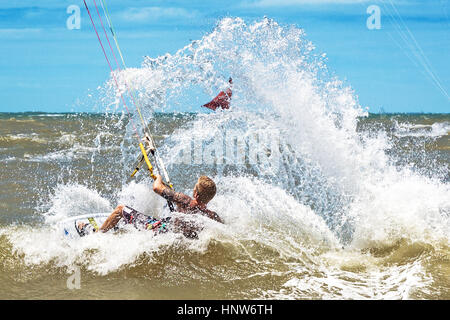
204,191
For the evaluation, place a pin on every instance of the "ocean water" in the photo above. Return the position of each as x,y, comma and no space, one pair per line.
321,200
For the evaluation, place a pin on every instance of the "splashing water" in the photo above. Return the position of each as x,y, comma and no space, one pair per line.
318,210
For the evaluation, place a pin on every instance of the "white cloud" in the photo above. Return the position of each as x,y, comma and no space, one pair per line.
149,14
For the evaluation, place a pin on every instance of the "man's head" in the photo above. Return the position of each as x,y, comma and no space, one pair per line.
204,190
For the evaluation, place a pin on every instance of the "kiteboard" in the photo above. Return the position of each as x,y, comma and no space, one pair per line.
70,226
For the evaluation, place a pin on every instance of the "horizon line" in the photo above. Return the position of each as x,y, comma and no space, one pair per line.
185,112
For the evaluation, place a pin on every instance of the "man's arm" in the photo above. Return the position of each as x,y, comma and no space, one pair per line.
178,198
158,185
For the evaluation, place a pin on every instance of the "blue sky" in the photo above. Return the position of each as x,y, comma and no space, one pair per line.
46,67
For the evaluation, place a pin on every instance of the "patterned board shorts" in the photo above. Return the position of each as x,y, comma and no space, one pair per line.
145,222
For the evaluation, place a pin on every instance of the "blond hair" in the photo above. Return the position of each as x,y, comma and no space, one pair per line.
206,189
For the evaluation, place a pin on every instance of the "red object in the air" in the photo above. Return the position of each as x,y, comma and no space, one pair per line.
222,100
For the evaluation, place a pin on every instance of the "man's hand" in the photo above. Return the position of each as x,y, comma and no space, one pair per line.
158,185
